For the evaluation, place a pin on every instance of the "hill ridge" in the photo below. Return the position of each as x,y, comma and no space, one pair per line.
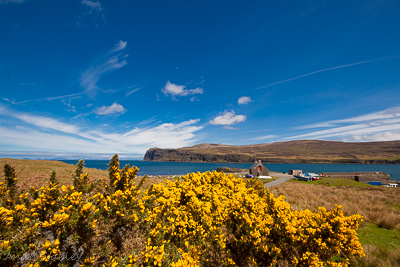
296,151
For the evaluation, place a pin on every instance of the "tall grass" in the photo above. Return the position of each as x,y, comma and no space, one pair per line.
37,172
376,204
376,256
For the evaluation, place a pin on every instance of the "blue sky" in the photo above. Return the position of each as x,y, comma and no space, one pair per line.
123,76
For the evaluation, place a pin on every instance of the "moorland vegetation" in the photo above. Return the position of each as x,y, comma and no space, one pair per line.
201,219
379,206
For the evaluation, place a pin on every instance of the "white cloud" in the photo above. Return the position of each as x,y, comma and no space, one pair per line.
329,69
68,104
28,84
113,109
383,136
228,118
91,76
194,99
94,5
11,1
40,121
229,128
132,91
49,98
265,137
244,100
179,90
48,134
94,13
378,126
67,155
119,46
375,116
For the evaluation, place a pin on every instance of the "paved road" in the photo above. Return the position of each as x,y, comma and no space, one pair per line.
282,179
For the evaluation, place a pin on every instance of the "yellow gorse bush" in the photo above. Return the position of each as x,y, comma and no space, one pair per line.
202,219
213,218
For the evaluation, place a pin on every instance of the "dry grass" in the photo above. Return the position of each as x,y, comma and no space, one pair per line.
376,204
37,173
376,256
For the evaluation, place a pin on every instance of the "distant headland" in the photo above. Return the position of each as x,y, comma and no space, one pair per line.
299,151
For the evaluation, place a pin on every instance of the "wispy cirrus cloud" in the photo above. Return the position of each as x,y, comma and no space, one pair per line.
378,126
227,127
388,57
11,1
119,46
67,155
89,79
265,137
40,121
113,109
179,90
329,69
49,98
132,91
93,13
70,107
102,67
93,5
40,133
381,136
228,118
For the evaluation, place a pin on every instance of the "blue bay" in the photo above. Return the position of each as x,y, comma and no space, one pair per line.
180,168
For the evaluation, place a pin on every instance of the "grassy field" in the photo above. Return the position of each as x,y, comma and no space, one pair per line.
379,233
37,172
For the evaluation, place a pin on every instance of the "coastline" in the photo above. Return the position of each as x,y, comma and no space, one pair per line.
282,162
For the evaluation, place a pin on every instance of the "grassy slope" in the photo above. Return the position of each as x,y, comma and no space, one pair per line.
370,233
334,182
37,172
303,150
378,205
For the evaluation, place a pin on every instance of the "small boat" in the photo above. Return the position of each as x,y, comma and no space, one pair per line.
314,176
307,177
302,178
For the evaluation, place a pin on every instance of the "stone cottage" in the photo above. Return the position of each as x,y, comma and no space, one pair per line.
258,169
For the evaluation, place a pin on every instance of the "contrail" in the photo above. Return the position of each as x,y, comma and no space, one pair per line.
327,69
46,98
312,73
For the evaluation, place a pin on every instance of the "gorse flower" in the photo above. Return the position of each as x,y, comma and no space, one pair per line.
203,219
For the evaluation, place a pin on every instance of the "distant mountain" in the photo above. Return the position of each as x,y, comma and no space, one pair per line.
299,151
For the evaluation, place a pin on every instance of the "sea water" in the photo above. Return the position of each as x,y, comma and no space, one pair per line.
181,168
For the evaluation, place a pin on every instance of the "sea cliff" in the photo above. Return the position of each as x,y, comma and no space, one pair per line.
299,151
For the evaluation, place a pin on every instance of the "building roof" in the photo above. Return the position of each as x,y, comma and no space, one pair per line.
258,163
